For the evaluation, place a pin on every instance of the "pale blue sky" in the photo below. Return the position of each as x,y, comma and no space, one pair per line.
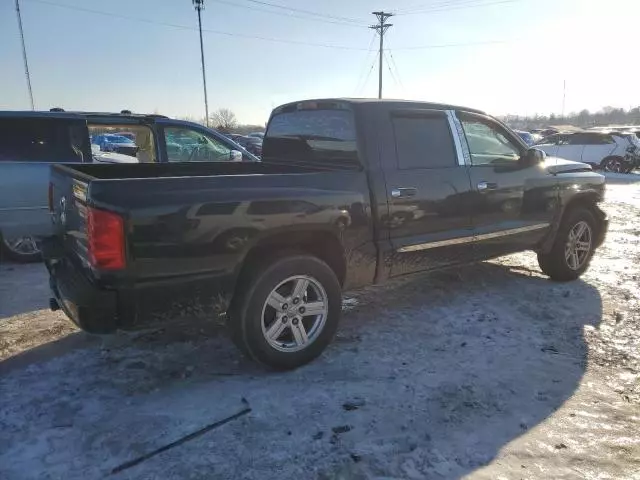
86,61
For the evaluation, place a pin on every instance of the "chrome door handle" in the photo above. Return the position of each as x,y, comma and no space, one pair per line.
401,192
483,186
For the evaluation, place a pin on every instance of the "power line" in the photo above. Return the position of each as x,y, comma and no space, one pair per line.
459,6
292,15
185,27
454,45
366,80
422,6
255,37
395,67
393,75
366,62
308,12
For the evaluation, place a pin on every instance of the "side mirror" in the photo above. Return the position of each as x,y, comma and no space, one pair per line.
235,156
533,156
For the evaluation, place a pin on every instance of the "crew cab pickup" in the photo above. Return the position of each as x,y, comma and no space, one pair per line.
349,193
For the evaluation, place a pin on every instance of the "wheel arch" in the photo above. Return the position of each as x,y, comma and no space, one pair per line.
319,243
587,200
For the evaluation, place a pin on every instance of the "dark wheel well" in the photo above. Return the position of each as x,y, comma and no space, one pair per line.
587,202
320,244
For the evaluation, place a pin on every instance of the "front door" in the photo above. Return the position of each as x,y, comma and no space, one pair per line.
429,217
513,202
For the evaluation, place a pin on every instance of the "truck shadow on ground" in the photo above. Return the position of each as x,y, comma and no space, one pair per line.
430,376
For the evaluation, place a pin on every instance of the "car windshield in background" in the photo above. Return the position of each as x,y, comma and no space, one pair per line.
323,137
119,139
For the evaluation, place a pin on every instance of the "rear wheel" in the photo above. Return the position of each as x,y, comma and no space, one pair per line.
573,247
614,164
288,313
21,249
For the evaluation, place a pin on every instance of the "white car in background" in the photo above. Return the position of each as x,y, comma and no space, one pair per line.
611,151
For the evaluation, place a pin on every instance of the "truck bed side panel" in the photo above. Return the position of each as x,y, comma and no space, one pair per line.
182,227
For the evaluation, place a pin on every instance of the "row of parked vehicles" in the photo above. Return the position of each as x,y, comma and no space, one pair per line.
613,150
348,193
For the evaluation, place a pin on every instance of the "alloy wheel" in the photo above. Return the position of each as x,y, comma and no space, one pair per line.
22,245
294,314
578,246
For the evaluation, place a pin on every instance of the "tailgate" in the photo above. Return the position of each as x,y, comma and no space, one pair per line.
68,193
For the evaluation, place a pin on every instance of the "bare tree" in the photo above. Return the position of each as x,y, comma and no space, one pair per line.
224,119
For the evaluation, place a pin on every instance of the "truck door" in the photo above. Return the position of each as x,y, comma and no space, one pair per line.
513,203
428,191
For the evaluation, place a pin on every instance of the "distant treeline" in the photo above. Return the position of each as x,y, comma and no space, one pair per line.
584,118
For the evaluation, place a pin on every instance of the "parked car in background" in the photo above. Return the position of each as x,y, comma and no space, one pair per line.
251,144
115,143
613,151
256,134
273,244
526,136
31,141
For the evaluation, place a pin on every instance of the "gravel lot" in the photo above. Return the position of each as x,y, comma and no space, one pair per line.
489,371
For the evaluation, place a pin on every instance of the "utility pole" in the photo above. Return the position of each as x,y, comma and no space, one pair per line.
564,95
199,4
24,55
381,28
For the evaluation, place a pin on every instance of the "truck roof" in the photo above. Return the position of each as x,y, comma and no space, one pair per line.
392,103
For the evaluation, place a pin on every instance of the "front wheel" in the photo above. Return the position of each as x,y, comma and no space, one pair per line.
573,247
613,164
20,249
288,313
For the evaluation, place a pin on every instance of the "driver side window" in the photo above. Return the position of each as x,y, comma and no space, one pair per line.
488,145
187,145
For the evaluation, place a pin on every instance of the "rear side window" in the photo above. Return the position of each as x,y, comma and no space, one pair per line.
42,140
322,137
423,142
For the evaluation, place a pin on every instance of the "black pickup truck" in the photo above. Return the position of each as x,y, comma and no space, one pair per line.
349,193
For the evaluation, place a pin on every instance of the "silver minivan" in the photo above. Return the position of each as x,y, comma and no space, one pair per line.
29,143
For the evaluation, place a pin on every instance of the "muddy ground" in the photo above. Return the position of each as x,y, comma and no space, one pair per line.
489,371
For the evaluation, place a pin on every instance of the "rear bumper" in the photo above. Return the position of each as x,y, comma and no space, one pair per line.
100,310
92,309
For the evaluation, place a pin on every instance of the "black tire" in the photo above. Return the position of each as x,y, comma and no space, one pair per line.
9,253
555,264
245,316
613,164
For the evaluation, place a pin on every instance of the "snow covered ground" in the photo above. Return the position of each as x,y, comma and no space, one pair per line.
489,371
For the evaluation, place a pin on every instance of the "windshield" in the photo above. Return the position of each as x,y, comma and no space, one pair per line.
322,137
119,139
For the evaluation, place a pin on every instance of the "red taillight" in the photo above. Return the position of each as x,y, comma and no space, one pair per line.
50,196
105,236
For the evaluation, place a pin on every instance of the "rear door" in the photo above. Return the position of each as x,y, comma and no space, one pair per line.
428,188
570,146
513,203
597,147
28,146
